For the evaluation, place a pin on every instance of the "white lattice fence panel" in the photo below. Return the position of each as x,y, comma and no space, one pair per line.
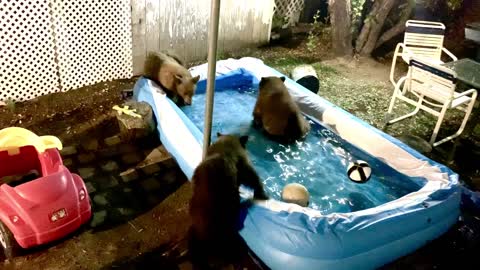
94,41
27,57
290,9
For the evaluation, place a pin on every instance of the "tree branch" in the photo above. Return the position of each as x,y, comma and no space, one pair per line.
367,24
362,38
391,33
376,27
398,28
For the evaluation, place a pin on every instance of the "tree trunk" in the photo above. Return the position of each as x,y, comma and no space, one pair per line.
373,26
340,18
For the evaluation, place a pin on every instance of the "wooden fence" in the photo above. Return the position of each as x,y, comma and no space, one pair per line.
181,26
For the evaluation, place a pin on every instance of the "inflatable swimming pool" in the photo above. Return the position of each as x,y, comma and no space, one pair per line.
287,236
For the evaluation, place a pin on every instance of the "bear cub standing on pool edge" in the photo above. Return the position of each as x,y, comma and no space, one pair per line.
277,113
215,204
169,72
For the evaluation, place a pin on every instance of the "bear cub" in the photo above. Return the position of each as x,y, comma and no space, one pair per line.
168,71
277,113
215,203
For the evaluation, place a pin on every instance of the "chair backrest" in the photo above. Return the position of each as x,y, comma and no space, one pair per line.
424,38
433,81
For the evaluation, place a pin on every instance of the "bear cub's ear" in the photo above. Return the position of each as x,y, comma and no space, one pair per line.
243,140
219,134
262,82
195,79
178,78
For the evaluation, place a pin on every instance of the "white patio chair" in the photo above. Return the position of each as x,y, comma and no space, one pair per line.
432,88
422,39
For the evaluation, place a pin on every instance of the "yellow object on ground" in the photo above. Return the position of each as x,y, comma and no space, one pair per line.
126,111
12,138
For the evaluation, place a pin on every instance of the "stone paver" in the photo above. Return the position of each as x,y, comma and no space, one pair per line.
98,218
151,184
68,162
106,181
129,175
125,211
109,166
131,158
86,173
68,151
90,145
151,169
170,177
90,187
114,140
86,158
100,199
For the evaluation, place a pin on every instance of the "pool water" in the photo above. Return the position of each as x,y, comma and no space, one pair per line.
319,162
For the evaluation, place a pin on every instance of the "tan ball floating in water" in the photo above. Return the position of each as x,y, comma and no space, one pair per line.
296,193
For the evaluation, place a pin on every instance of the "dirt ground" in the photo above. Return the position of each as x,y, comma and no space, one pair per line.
140,242
65,114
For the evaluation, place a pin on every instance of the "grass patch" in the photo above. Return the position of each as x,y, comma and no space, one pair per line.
325,70
286,64
369,101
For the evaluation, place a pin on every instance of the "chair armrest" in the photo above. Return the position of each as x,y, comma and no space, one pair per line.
451,55
394,60
399,83
468,92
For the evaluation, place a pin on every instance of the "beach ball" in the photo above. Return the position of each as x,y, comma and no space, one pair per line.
359,171
296,193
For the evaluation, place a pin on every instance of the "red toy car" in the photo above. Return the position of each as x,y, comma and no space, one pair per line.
41,210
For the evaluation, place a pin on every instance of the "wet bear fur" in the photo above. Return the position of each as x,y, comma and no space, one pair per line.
215,203
277,113
167,70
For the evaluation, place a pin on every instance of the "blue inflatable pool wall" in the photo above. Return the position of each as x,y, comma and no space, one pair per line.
287,236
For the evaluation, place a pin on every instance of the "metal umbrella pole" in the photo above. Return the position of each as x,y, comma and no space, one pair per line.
212,61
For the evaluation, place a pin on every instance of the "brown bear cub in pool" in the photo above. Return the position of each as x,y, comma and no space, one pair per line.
215,204
169,72
277,113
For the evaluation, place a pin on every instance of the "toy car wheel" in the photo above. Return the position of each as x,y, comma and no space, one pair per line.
8,244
